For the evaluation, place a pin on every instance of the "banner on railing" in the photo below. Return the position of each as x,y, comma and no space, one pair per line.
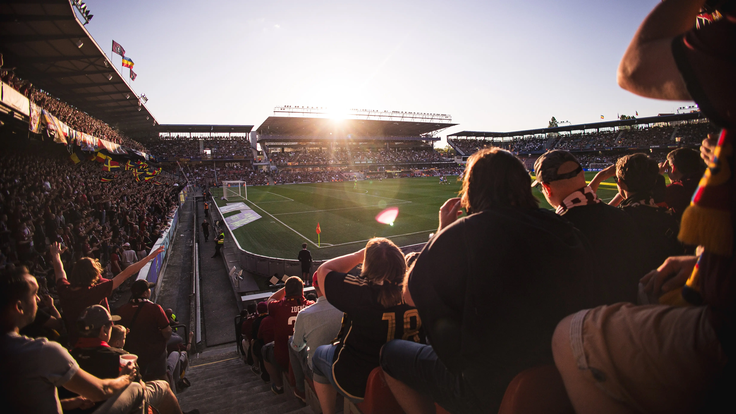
15,99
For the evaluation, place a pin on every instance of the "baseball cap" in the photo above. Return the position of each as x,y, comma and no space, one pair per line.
546,167
139,287
95,317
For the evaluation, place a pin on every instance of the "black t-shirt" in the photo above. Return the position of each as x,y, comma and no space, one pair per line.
610,232
655,237
305,257
367,325
492,287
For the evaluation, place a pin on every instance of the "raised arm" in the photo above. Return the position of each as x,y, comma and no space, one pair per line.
341,264
55,250
648,67
134,268
602,175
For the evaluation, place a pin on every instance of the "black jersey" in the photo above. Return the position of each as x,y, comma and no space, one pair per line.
367,325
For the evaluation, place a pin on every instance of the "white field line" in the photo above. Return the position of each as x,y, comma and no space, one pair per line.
287,199
284,224
333,209
392,236
326,244
274,202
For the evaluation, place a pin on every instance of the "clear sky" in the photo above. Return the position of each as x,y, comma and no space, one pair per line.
493,65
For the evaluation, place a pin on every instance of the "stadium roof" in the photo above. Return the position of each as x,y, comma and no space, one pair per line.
596,125
295,127
41,39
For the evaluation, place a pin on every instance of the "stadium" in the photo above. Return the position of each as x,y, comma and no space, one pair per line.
215,219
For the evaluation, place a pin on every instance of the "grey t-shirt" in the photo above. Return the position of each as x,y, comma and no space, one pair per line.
30,372
316,325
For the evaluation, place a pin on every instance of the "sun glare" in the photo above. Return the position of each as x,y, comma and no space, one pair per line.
338,114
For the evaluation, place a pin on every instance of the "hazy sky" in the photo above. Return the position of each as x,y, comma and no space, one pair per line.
493,65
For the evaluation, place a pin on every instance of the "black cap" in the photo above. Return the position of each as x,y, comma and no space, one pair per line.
547,165
95,317
139,287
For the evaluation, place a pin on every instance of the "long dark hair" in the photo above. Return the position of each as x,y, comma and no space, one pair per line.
496,178
384,266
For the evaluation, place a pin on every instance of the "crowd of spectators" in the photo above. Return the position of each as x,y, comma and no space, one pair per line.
323,175
69,115
311,157
23,86
221,148
204,176
45,198
81,121
653,137
343,155
59,218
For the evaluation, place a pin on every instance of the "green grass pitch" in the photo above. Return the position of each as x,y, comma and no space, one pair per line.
346,215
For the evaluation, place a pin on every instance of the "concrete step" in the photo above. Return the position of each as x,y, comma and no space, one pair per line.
223,383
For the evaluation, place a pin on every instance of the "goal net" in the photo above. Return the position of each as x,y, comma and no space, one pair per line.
234,190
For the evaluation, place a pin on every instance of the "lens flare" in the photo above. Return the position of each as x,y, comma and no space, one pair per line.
388,216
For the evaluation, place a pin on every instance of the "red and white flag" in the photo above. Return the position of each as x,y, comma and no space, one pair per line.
116,48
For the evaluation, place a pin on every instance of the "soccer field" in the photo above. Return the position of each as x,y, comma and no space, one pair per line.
346,215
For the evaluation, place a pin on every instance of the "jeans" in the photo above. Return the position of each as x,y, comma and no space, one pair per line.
418,366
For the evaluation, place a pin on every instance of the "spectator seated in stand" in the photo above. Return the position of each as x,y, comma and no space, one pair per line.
94,355
315,325
283,307
369,301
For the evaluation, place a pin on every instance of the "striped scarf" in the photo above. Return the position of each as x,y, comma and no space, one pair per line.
707,221
582,197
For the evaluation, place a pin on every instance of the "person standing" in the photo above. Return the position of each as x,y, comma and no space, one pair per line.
149,331
206,230
219,241
305,258
206,209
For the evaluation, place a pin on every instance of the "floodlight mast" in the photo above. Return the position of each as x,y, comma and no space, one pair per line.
83,11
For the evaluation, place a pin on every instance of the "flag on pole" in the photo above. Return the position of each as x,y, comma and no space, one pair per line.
601,115
116,48
318,233
133,75
637,113
318,229
127,62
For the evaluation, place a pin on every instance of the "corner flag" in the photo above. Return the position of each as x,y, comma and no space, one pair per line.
318,233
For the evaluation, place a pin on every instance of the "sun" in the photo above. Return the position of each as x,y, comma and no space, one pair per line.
338,114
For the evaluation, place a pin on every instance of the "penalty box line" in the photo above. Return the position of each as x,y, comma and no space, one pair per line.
388,237
284,224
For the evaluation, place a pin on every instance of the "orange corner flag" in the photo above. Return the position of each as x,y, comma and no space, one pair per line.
318,229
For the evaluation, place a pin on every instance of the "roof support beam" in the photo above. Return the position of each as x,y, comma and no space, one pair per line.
34,18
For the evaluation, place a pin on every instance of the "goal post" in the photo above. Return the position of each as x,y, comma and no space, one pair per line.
234,190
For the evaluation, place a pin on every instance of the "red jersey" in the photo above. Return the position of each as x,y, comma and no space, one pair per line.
284,313
75,299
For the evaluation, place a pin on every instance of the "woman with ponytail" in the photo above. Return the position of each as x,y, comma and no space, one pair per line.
374,313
